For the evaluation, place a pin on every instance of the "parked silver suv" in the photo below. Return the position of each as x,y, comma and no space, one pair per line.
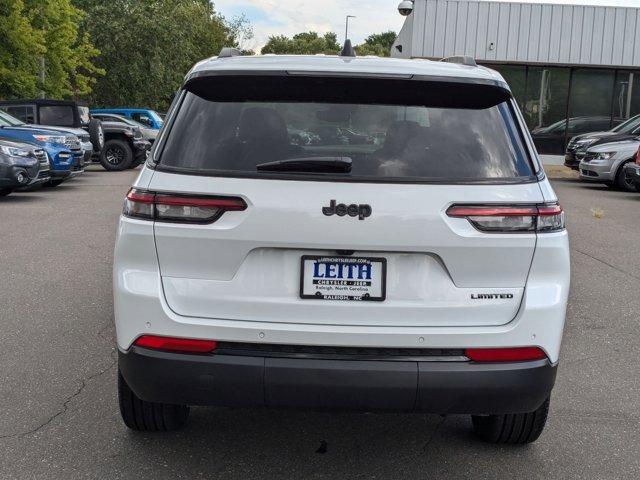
605,163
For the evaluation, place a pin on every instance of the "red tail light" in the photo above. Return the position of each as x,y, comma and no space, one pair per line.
167,207
517,354
170,344
637,156
511,218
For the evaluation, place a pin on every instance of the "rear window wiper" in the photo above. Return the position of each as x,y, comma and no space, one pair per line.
308,164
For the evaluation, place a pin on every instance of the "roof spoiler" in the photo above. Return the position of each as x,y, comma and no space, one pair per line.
467,60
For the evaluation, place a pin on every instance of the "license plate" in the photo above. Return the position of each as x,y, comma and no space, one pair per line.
343,278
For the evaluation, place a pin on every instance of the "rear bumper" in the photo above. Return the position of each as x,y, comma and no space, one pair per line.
360,385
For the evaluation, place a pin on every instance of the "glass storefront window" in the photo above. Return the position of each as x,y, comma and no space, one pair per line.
598,100
626,97
516,77
590,103
622,94
545,107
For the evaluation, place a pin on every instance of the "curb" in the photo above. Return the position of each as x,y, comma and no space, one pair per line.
560,171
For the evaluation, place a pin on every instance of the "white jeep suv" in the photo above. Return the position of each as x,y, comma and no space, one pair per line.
418,263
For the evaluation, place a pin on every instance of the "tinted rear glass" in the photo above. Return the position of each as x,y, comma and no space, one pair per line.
385,142
57,115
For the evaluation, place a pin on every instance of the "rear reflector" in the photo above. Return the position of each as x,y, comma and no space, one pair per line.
166,207
170,344
516,354
511,218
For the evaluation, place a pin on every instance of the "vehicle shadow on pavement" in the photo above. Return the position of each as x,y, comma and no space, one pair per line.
600,188
567,180
19,197
238,443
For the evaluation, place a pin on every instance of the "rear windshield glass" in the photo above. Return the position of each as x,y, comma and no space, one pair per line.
57,115
383,142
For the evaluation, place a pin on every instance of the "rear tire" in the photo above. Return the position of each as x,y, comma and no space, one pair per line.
621,180
5,191
116,155
146,416
512,428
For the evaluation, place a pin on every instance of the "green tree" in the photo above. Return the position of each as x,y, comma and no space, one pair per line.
31,30
147,46
20,48
306,43
69,70
377,44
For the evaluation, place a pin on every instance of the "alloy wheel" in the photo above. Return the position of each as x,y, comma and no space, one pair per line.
115,155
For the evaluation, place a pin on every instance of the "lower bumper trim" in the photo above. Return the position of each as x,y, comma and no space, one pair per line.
361,385
58,174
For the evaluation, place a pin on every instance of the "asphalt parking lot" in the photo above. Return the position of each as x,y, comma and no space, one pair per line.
58,409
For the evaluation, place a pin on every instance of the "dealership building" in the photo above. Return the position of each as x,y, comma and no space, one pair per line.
575,62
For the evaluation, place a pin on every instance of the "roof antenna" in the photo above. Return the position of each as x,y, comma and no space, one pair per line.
228,52
347,50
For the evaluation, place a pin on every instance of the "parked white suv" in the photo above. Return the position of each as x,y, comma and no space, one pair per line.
421,264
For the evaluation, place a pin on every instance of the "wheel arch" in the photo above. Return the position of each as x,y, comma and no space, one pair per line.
117,136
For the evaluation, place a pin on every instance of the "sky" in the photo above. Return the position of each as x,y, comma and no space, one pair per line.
274,17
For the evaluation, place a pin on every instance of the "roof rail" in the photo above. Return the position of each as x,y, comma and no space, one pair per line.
228,52
467,60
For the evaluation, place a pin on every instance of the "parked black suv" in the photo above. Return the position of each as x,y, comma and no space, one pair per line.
116,146
57,113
